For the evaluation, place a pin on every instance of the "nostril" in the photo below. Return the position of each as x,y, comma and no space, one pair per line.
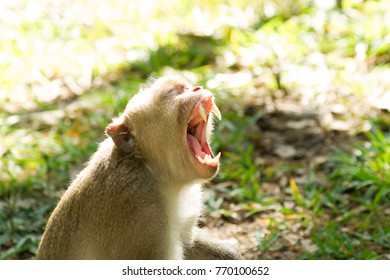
196,89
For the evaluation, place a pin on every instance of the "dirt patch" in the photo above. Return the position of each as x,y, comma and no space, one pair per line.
299,141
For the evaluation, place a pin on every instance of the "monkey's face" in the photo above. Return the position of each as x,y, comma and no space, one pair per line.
174,127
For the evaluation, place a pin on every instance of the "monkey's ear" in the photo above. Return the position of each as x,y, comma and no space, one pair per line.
121,136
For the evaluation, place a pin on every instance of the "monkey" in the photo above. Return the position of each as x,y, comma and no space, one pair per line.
140,194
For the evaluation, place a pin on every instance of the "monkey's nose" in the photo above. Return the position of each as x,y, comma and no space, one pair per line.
196,89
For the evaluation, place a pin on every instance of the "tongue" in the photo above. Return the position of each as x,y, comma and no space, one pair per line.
194,144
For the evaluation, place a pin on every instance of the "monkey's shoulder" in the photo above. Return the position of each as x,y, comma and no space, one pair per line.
110,172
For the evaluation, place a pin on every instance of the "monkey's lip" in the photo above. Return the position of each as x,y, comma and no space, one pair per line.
197,130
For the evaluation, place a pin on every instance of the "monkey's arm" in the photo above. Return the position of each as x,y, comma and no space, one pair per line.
202,249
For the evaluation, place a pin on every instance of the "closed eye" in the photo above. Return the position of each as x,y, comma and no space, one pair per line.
178,89
173,91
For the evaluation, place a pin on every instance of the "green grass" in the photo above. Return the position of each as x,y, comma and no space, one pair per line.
358,200
239,158
348,217
38,167
79,71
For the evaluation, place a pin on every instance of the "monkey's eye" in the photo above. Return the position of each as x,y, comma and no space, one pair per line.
172,92
178,89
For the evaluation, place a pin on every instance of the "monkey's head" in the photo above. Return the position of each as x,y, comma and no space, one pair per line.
170,125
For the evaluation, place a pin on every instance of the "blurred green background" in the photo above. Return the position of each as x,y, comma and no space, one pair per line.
303,87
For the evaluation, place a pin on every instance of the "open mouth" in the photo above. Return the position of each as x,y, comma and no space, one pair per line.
197,129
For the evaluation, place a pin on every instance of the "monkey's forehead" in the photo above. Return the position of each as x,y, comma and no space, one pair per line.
149,96
171,81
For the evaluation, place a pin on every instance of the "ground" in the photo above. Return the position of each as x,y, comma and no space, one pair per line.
302,87
292,139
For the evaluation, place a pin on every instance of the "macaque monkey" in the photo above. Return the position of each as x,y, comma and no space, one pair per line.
140,194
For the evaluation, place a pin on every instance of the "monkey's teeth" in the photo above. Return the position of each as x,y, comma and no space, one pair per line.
208,160
216,111
202,112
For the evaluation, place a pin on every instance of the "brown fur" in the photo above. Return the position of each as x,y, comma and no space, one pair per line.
139,196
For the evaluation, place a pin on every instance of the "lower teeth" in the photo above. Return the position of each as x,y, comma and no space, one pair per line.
207,160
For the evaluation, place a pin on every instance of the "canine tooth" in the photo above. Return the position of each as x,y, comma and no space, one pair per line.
216,158
202,113
216,111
